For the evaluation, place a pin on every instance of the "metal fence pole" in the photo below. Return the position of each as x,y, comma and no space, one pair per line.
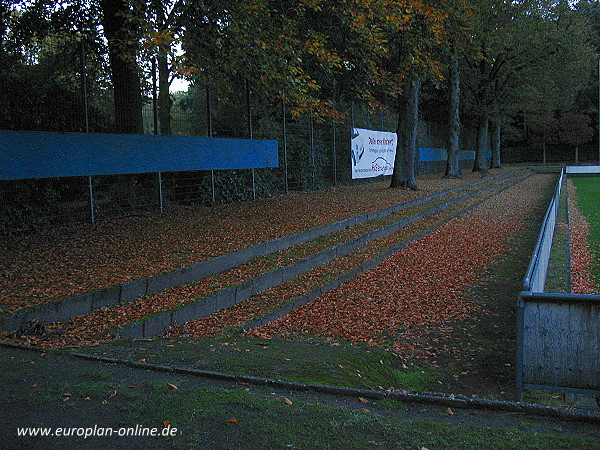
285,158
160,192
334,154
212,177
91,191
250,134
312,152
84,88
209,127
154,97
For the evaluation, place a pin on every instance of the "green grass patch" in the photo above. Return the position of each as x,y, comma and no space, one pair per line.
588,200
212,417
305,362
226,417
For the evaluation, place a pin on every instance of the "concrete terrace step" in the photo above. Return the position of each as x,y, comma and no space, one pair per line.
65,309
206,306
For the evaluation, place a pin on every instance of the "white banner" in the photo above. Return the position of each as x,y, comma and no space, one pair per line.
373,153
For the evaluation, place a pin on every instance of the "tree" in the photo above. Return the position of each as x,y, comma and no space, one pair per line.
42,19
413,38
123,37
404,174
574,130
162,27
457,25
527,51
453,159
48,52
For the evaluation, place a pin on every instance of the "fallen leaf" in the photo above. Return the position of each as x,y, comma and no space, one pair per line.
166,423
172,386
233,420
287,401
363,400
449,412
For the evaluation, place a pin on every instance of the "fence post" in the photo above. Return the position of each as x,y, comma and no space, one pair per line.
520,343
334,155
285,159
84,87
249,115
209,127
212,177
91,191
154,97
160,193
312,152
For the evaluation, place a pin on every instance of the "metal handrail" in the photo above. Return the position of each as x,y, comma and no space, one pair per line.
535,281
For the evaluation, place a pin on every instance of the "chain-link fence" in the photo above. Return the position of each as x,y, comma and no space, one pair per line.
73,95
313,154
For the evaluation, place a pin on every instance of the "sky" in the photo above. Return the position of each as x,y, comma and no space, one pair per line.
178,85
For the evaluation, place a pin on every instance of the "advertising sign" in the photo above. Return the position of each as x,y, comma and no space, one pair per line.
373,153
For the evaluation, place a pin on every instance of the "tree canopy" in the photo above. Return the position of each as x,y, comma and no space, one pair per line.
504,59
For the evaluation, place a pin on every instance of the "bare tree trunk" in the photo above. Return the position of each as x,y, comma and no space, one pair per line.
479,164
453,160
122,49
404,167
496,146
544,148
404,174
164,97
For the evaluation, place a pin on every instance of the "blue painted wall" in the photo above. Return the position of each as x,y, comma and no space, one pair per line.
45,154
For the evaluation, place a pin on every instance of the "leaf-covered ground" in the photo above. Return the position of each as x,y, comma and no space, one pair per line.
101,324
422,286
440,303
62,262
581,257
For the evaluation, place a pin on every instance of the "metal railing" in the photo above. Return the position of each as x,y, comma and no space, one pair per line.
535,279
558,335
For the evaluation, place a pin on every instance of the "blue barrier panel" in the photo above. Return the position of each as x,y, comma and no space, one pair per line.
432,154
38,154
440,154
